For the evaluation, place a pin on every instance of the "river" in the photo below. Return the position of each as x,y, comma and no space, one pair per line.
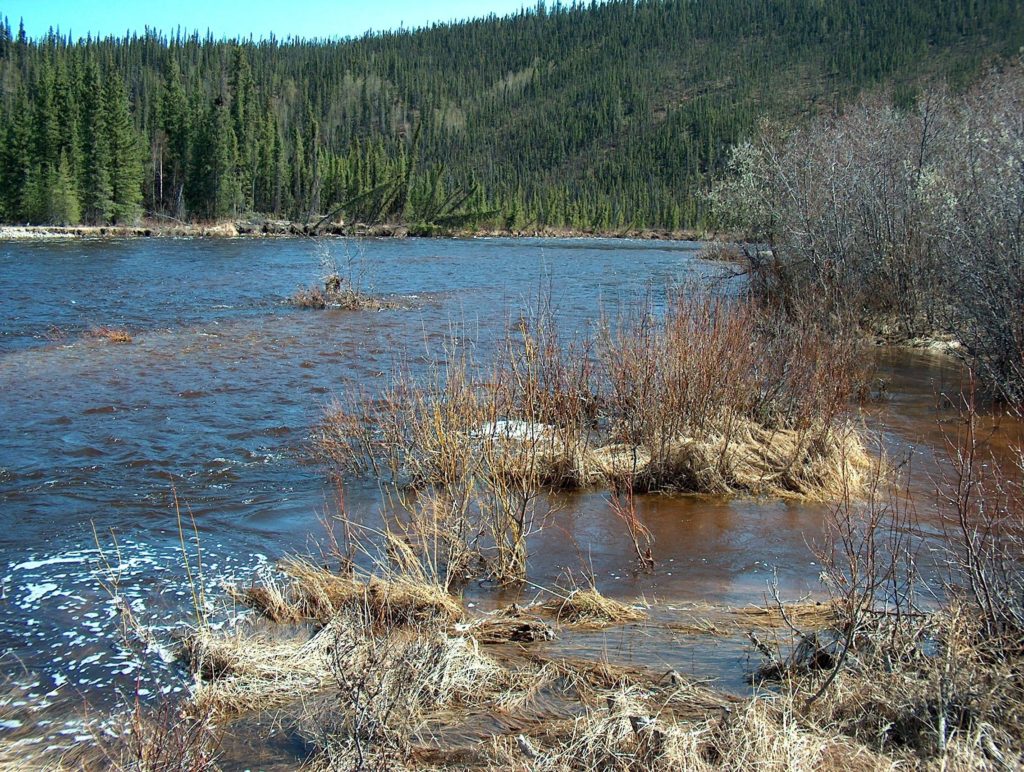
212,403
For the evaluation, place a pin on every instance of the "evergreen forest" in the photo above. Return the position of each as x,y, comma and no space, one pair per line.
598,116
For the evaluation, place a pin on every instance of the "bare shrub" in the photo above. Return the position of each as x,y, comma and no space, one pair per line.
983,498
164,740
713,397
338,294
904,224
341,287
983,229
704,394
722,252
940,682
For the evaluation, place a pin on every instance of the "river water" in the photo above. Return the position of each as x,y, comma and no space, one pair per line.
212,402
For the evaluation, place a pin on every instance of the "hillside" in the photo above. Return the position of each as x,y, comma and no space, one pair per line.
594,116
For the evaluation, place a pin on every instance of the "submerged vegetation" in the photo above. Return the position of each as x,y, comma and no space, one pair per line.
388,669
339,294
110,334
707,395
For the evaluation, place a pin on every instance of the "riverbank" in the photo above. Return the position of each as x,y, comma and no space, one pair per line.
286,228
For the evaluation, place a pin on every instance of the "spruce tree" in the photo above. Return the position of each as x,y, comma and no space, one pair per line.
125,155
96,185
175,125
64,206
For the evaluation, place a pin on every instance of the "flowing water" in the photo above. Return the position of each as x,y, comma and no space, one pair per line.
211,405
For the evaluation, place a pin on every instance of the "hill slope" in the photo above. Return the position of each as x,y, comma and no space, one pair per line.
589,116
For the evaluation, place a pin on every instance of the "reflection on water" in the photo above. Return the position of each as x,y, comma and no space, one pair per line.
213,401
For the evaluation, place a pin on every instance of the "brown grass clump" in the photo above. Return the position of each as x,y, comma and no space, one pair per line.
587,607
355,690
111,334
625,735
311,593
408,601
338,294
241,671
508,625
743,458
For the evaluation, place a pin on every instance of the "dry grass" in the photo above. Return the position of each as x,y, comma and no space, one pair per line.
624,735
814,615
312,593
244,671
382,691
111,334
511,624
743,458
708,396
355,691
588,608
806,615
930,691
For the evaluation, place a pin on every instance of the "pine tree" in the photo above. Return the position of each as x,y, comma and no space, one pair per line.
213,189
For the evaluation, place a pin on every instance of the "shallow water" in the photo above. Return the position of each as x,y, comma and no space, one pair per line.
212,402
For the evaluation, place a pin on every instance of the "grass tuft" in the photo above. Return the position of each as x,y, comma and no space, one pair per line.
111,334
589,608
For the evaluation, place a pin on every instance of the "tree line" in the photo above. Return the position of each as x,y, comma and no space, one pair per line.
606,116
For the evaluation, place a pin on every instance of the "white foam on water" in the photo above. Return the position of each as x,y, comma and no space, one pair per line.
67,628
32,565
37,592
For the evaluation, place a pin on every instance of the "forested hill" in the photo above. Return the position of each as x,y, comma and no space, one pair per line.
597,116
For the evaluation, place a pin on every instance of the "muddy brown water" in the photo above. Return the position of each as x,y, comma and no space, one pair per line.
212,401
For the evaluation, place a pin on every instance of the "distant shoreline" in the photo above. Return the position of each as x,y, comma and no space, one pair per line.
286,229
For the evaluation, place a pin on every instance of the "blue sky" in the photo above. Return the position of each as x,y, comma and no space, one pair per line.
300,18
